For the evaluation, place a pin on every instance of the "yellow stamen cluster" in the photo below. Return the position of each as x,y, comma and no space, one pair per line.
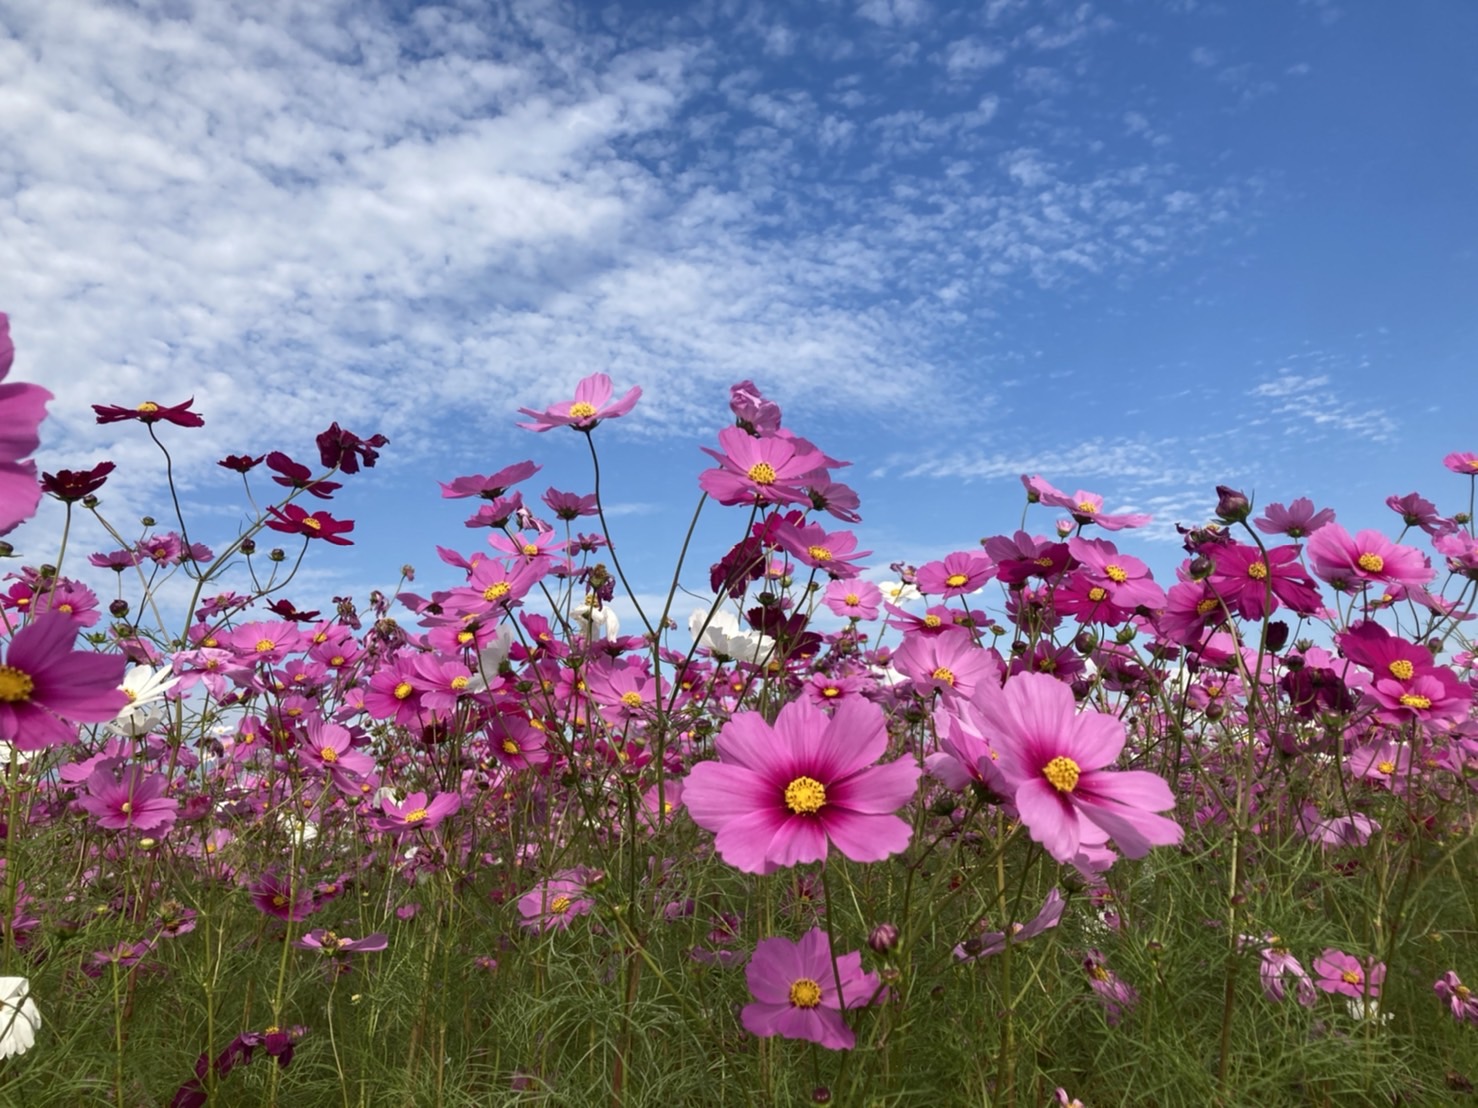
762,473
581,410
404,690
1097,594
1415,700
944,674
416,815
955,580
1401,669
1063,773
147,407
805,993
631,699
16,685
805,796
1258,571
1117,574
497,590
1371,563
819,553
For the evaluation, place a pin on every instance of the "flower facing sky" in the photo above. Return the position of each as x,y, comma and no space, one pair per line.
798,994
782,795
592,403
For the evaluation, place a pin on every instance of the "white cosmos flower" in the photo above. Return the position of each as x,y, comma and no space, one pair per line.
597,619
19,1018
899,592
727,639
144,685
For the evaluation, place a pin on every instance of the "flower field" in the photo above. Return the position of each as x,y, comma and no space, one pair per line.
1019,826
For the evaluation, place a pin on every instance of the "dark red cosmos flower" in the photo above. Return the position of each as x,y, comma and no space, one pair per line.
298,476
69,485
285,610
343,450
150,412
293,520
241,463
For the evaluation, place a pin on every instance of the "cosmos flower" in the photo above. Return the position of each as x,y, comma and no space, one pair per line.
489,487
19,1017
294,520
1367,558
853,599
1052,757
1345,975
133,802
47,688
770,470
782,795
1297,520
150,412
22,408
592,403
415,813
552,904
799,992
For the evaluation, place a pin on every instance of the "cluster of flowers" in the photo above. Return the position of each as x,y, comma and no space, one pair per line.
416,739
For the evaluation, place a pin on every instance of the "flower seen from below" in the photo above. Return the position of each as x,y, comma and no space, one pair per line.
592,403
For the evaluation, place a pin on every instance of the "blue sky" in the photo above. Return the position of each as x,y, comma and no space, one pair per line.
1140,248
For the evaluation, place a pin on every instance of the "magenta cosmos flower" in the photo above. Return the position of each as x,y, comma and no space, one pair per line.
22,408
592,403
1457,461
1345,975
415,813
136,802
552,904
47,688
769,470
798,994
1368,558
150,412
781,795
853,599
1052,756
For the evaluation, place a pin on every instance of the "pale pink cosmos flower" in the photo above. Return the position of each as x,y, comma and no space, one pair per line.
1086,507
592,403
552,904
415,813
1458,997
800,990
22,408
1345,975
1462,463
1367,558
1296,521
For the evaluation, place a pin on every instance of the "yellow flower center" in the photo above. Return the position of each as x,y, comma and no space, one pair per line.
1117,574
955,580
510,747
404,690
762,473
631,699
932,620
819,553
944,674
1386,767
1097,594
15,685
465,637
805,993
1401,669
1063,773
1350,977
279,901
560,905
581,410
309,521
415,815
805,796
337,660
147,406
126,807
1045,562
530,549
460,683
1371,563
264,645
1258,571
497,590
329,754
1100,973
1207,606
1415,700
831,691
1462,992
852,599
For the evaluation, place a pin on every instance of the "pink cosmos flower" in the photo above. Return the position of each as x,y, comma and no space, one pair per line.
1116,995
47,688
414,813
956,574
769,470
1457,462
1253,585
327,942
1417,511
1345,975
951,663
799,993
1126,580
491,486
833,552
22,408
1458,997
327,747
1296,520
1086,507
1352,563
1274,964
853,599
277,898
592,403
994,942
782,795
293,520
754,413
1052,757
134,802
552,904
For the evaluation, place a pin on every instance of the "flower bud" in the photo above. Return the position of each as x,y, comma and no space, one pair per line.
6,550
884,939
248,546
118,609
1231,505
277,554
1201,567
1126,634
90,501
148,521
